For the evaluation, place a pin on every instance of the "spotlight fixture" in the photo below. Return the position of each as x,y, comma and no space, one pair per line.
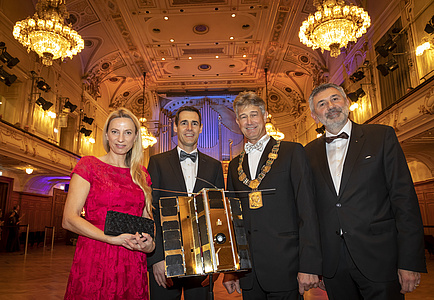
43,86
429,28
87,120
387,47
70,106
320,130
6,57
7,78
390,66
44,103
86,132
354,96
356,76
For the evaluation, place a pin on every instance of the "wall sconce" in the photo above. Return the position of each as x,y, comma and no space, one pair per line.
70,106
387,47
29,170
7,78
43,86
357,76
85,131
44,103
87,120
391,65
6,57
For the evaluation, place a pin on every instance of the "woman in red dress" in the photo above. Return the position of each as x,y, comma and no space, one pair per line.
110,267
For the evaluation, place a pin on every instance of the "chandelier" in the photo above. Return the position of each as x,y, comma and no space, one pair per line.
333,25
47,34
148,140
269,126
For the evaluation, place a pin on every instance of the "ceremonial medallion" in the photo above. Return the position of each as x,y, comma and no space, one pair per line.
255,200
253,184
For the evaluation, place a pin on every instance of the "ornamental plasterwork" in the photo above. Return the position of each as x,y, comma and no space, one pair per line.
428,103
23,146
81,14
286,100
303,59
100,70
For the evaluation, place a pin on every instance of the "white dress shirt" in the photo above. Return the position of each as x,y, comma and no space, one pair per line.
189,170
336,154
255,155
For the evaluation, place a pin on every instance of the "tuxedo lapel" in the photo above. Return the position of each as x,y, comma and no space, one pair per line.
324,164
264,156
202,173
246,166
356,143
176,169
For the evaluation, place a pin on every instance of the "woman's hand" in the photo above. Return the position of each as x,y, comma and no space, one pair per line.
143,243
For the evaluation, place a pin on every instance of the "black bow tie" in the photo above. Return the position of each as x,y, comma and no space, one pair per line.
342,135
184,155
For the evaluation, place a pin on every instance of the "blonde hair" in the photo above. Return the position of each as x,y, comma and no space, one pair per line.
134,157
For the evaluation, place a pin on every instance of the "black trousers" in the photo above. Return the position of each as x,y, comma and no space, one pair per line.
257,293
350,283
193,290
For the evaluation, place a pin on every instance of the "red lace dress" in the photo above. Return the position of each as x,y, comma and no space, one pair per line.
100,270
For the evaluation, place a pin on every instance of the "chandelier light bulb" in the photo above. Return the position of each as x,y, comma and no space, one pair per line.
29,170
333,25
47,34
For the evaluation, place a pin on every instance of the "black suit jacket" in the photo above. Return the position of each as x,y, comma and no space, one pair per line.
283,235
166,173
377,206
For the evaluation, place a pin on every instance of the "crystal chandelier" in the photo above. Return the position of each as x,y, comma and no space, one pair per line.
333,25
47,34
148,140
269,126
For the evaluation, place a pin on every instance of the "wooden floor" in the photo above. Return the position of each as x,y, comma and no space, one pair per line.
42,275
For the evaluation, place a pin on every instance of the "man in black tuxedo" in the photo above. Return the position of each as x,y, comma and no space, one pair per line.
186,170
281,223
370,223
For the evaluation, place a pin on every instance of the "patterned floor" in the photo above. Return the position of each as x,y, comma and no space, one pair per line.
42,274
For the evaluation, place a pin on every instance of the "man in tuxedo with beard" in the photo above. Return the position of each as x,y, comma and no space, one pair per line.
370,223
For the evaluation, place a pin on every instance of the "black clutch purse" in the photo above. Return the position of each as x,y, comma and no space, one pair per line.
117,223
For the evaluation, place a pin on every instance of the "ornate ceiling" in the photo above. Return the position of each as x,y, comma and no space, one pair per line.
189,47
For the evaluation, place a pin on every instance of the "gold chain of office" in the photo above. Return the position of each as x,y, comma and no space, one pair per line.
253,184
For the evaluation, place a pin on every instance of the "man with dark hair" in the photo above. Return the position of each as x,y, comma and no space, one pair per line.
371,227
279,212
183,170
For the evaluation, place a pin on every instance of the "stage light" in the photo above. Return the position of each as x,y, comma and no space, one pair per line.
354,96
43,86
44,103
320,130
70,106
391,65
87,120
429,28
357,76
7,78
85,131
6,57
387,47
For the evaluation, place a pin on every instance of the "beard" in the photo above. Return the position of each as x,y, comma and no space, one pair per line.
335,118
